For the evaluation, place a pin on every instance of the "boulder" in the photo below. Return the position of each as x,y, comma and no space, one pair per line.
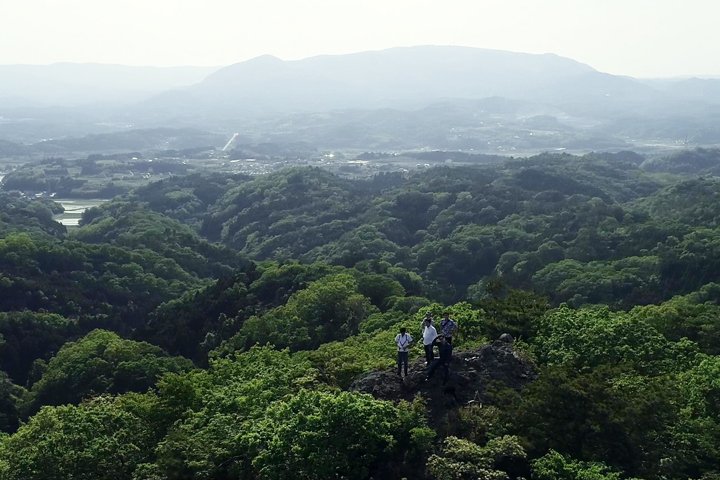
471,372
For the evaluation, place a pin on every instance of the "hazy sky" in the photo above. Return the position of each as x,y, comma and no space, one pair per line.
634,37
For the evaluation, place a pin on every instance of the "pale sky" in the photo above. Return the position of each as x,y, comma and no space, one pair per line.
642,38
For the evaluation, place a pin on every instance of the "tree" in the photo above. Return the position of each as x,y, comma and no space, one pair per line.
97,440
220,406
328,309
10,399
606,415
508,310
464,460
31,336
589,337
554,466
101,362
317,435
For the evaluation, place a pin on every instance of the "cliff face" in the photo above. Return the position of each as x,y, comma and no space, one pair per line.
471,372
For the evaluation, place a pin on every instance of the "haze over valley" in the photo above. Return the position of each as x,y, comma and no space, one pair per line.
422,98
334,239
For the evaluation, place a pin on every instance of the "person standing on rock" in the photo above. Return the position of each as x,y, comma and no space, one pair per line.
427,318
429,334
444,360
403,341
448,327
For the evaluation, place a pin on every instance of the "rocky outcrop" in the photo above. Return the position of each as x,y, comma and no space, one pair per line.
471,372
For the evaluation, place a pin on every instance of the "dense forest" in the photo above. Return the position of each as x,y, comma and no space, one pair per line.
214,326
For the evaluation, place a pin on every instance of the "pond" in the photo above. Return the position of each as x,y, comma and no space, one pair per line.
74,209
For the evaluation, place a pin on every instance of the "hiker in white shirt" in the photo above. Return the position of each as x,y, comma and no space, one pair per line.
403,341
429,334
428,316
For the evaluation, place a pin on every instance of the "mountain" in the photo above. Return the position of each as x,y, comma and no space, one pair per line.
435,97
425,97
130,140
408,77
693,89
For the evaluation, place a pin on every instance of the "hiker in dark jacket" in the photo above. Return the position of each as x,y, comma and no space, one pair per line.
448,327
444,360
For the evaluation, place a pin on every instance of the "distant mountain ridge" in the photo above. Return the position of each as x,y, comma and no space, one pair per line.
407,77
401,77
410,78
388,77
436,97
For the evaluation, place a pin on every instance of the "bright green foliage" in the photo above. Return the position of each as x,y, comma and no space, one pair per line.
101,362
608,414
374,349
278,281
3,463
512,311
619,393
340,362
599,281
477,422
471,325
554,466
702,384
97,440
363,243
694,316
464,460
253,379
221,405
470,321
408,304
316,435
329,309
132,226
589,337
18,250
387,321
296,210
99,283
202,320
158,409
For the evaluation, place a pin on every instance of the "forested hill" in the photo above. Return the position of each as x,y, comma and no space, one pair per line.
592,229
210,326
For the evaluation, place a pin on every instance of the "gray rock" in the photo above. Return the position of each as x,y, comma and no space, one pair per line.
507,338
470,374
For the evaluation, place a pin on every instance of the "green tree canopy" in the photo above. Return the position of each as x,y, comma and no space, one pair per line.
101,362
97,440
